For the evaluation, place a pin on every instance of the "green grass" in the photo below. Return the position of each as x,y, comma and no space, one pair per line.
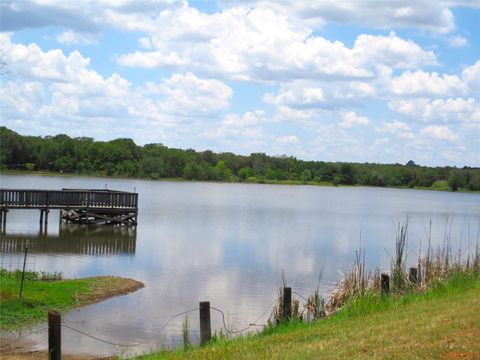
441,323
42,292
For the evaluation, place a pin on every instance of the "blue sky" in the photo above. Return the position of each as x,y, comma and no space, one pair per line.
360,81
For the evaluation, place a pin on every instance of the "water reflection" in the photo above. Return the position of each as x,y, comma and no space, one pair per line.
74,239
230,244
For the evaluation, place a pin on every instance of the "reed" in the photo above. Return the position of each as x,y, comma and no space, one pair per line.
437,266
278,317
186,333
399,276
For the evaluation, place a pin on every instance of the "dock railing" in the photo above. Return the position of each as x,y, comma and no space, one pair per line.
66,198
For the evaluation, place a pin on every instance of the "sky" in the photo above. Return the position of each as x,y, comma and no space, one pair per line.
329,80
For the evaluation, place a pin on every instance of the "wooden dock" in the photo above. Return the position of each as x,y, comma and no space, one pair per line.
83,206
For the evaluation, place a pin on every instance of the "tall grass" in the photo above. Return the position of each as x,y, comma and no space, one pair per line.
186,333
437,266
399,277
277,314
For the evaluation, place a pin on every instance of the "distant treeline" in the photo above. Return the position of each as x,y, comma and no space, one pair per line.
122,157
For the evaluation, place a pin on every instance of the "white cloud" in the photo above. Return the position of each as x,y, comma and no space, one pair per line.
457,41
145,43
439,132
392,51
434,16
297,96
240,133
287,140
188,94
351,119
241,128
379,143
420,83
53,92
71,37
247,119
80,16
398,128
471,76
262,44
303,94
451,109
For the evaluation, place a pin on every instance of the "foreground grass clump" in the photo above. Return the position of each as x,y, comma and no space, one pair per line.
43,291
443,322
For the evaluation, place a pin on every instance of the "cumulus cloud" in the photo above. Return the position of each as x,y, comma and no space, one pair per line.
262,44
351,119
52,91
420,83
241,133
397,128
434,16
457,41
90,15
451,109
303,94
188,94
80,16
471,76
288,139
243,126
71,37
439,132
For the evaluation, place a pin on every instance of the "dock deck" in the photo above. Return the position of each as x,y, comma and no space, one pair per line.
99,206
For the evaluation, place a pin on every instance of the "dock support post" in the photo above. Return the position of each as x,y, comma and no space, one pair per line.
41,217
287,303
54,335
205,326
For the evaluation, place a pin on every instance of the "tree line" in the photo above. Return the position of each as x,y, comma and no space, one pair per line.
122,157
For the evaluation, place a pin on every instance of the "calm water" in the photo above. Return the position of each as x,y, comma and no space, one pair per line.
227,243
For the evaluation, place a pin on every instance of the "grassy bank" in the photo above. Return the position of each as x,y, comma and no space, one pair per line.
42,292
443,322
436,186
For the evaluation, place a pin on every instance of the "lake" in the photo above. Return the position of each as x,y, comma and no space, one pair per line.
226,243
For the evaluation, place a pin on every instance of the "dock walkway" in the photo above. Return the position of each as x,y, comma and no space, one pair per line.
98,206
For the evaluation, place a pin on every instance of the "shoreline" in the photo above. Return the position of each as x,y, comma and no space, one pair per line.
79,293
259,182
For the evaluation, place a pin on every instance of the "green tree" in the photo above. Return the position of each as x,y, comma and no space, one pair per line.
245,173
306,176
222,171
474,181
347,175
455,181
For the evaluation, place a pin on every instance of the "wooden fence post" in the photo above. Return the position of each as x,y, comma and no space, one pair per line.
287,303
205,326
23,272
413,275
54,335
385,283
